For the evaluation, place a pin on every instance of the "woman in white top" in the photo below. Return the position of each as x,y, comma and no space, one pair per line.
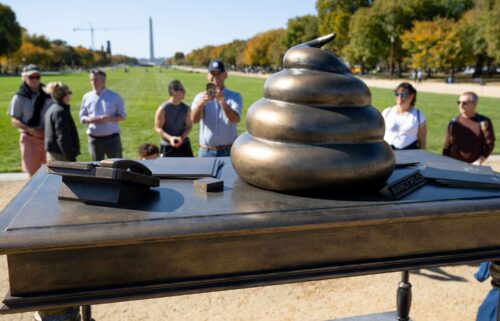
405,125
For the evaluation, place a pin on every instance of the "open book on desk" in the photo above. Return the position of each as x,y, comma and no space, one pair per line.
469,176
184,167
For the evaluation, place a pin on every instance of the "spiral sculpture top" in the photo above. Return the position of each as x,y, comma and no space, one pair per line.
314,128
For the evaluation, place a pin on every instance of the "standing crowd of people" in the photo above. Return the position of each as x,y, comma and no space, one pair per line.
47,130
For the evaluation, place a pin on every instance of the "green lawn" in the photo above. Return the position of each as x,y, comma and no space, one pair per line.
144,89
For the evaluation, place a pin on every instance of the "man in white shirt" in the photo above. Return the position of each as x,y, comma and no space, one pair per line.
101,110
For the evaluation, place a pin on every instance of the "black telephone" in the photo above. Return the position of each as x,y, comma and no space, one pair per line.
116,163
126,165
111,181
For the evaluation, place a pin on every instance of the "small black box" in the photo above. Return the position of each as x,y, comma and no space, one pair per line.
208,184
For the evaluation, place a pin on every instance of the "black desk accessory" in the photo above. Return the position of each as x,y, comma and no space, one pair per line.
109,182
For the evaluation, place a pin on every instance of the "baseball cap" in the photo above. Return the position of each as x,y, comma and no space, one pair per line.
30,70
216,65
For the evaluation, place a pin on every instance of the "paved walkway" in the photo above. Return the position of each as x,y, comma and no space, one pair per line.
13,177
492,90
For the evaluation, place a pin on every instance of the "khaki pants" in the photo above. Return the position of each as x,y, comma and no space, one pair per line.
32,153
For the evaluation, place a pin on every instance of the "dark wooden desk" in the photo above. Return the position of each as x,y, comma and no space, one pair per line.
63,253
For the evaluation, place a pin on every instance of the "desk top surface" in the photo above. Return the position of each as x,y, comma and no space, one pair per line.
36,219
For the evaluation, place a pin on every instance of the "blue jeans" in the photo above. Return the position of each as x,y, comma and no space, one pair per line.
204,152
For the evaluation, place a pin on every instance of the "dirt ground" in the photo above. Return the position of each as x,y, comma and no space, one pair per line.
440,294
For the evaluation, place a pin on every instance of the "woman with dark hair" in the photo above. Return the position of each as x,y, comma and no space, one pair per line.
405,125
61,136
173,123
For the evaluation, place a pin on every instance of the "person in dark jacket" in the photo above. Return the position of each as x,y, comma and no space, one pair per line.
61,136
470,136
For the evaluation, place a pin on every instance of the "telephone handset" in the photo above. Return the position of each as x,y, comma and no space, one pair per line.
126,165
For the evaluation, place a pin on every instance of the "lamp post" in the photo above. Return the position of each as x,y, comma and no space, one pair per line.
392,56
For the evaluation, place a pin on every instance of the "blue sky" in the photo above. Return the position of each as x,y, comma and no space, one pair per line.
181,25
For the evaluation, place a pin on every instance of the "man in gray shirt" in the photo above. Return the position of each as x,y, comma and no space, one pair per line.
218,113
101,110
27,110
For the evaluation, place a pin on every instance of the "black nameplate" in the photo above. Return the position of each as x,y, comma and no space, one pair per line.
403,184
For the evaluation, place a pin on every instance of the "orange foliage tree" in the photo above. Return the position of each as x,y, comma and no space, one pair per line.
265,49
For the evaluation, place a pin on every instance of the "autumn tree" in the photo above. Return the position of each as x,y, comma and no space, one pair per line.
29,53
231,53
176,59
427,10
493,31
37,40
10,31
474,26
301,29
335,16
265,49
86,57
375,31
436,44
122,59
367,43
200,57
100,58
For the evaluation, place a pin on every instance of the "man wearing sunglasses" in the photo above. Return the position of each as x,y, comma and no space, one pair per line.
470,136
27,110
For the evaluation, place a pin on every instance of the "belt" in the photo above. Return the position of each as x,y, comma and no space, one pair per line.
221,147
30,135
104,137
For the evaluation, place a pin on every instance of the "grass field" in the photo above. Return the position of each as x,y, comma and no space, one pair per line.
144,89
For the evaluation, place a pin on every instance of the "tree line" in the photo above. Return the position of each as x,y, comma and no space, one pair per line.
18,47
391,35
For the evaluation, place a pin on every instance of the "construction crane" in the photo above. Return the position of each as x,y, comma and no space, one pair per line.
92,29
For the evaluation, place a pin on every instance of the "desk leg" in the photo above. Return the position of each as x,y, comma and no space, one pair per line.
86,313
495,280
64,314
404,297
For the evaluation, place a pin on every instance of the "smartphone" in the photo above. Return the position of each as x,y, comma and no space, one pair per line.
211,89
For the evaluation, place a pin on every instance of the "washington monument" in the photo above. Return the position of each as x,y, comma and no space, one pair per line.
151,45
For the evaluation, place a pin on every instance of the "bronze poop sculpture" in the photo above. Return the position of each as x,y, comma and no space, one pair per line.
314,128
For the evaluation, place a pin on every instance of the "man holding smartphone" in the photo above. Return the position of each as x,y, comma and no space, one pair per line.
218,111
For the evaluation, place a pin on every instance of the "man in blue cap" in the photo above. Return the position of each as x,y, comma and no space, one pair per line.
218,111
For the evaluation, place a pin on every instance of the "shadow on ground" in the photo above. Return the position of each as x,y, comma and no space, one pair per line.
439,274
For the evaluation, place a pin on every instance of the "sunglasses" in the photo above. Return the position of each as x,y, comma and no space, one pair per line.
179,89
34,77
465,103
402,95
